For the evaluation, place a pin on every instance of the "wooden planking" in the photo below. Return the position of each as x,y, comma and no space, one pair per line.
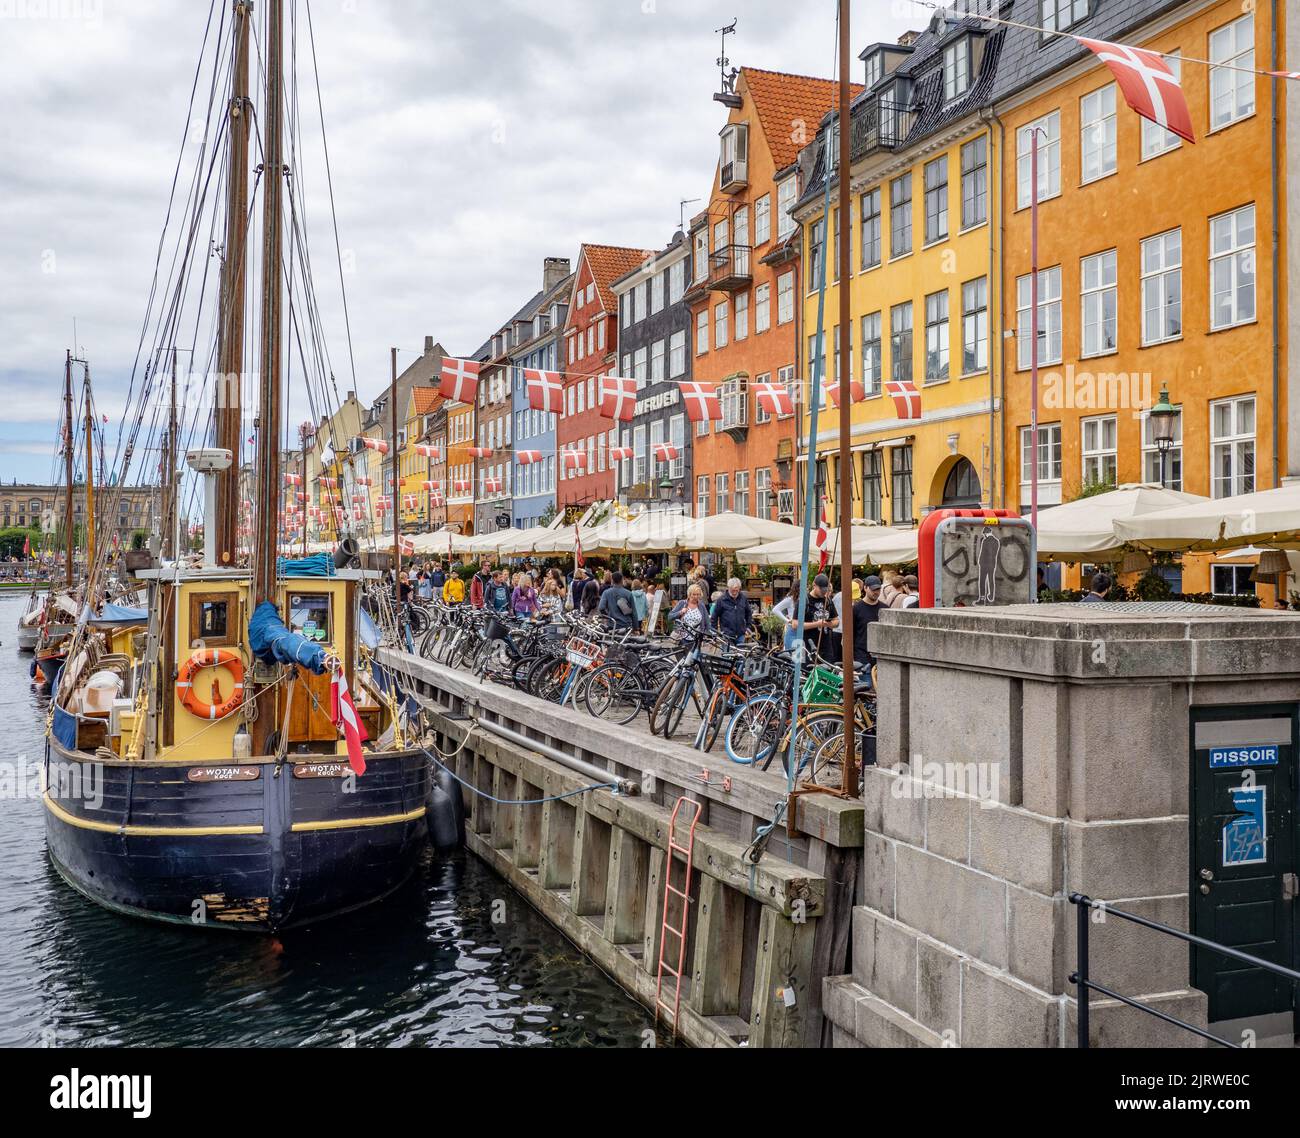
625,902
719,946
785,951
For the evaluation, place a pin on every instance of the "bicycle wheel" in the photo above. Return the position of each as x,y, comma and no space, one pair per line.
755,730
551,680
827,766
668,694
813,730
519,672
715,714
681,692
614,694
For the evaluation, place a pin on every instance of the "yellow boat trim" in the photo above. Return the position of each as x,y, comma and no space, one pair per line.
151,831
358,823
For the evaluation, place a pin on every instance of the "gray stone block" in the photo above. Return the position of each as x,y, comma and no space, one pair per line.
1130,959
1106,860
947,826
1022,847
938,989
1000,1011
956,905
1045,787
1112,1024
879,873
880,1025
1038,939
884,959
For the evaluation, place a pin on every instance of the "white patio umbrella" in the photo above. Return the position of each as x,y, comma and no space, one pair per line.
1268,518
878,545
720,533
1086,528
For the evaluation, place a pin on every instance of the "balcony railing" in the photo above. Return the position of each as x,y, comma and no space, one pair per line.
881,125
730,268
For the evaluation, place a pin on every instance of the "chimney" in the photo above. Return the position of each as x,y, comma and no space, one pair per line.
554,270
428,345
907,39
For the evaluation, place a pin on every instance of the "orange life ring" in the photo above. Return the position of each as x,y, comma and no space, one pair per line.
210,658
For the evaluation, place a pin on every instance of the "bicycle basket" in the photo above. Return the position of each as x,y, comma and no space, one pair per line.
496,629
823,686
718,666
756,669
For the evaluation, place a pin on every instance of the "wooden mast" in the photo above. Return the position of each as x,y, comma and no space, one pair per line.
170,463
69,435
90,485
266,545
228,405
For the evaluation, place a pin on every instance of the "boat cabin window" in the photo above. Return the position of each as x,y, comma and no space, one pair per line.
309,615
213,619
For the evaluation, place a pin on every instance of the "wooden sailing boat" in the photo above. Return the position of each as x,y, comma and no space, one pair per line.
194,771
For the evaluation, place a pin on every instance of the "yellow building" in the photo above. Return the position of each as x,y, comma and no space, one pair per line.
414,505
921,276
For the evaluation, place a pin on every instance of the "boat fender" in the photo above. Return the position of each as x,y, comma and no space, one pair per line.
446,831
447,781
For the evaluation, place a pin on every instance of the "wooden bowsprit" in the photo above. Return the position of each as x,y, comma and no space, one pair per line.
683,894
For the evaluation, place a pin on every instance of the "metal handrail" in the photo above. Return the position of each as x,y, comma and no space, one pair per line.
1084,984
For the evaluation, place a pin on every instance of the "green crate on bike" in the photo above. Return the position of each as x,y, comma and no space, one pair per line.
823,686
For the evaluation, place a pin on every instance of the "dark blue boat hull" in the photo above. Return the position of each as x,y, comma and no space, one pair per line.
269,852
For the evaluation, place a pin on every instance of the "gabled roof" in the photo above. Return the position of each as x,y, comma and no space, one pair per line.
608,263
426,399
781,100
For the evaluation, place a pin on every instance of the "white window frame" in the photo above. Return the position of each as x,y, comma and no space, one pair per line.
1232,46
1156,283
763,220
1151,454
1099,449
1049,318
956,69
1235,257
762,308
677,354
722,324
1099,304
702,332
785,298
1098,145
1155,139
742,316
1049,464
1236,443
1049,160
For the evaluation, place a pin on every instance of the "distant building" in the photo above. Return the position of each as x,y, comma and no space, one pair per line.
118,510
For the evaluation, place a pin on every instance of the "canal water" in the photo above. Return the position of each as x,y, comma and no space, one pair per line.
455,959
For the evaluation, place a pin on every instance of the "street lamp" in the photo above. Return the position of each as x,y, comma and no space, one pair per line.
665,491
1164,421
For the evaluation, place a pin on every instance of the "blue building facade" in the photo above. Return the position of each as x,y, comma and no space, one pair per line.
534,484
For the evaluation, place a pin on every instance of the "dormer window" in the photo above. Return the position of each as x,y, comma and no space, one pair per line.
734,171
875,68
956,69
1061,15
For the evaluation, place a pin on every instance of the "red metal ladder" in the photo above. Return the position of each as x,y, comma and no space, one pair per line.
683,894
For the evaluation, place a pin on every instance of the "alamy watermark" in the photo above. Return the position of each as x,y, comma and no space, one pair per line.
78,11
75,782
949,780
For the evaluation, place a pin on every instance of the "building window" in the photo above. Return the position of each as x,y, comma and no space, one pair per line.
871,375
1049,318
1173,471
677,355
676,282
873,486
975,326
1155,139
763,220
900,216
787,377
742,316
625,310
702,496
1048,129
761,413
702,255
1232,92
975,182
871,228
762,308
785,298
742,492
721,322
900,342
1232,268
816,365
639,293
936,337
763,492
900,478
956,70
677,436
1231,580
785,198
702,332
735,404
1100,451
1100,304
816,251
1162,287
1061,15
1049,464
724,493
639,454
1097,133
657,361
936,199
656,293
1232,447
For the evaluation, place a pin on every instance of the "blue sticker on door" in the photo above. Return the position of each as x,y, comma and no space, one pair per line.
1245,837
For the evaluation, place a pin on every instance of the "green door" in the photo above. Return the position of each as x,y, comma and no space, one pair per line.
1244,868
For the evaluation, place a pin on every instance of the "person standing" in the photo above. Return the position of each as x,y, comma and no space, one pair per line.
499,595
820,617
691,616
866,612
438,577
524,598
453,590
578,587
479,585
1101,587
733,615
788,610
641,601
616,603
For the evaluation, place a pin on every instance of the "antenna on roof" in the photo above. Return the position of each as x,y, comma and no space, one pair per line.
728,77
684,203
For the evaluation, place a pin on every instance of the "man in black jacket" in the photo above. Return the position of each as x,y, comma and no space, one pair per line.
617,604
733,615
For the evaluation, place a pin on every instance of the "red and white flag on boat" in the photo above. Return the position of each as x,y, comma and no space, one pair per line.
823,539
460,380
344,714
1150,87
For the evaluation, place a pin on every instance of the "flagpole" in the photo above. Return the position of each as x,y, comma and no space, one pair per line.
1033,325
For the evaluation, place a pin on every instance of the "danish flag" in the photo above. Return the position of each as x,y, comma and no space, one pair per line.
365,482
434,453
330,483
703,403
1150,87
907,400
575,460
480,452
410,502
528,457
618,398
433,487
775,399
493,485
293,479
375,444
460,380
545,390
823,539
384,504
620,454
666,452
437,501
462,487
857,392
358,497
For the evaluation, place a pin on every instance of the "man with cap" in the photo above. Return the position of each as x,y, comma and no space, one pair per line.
865,613
821,618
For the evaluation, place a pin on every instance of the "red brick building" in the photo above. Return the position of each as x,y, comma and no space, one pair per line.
589,351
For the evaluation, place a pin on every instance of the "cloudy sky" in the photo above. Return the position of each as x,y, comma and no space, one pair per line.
469,141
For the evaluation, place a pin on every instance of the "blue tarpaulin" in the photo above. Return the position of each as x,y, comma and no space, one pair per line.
120,614
64,727
273,643
319,565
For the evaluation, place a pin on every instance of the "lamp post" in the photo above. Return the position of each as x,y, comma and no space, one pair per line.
665,491
1164,420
